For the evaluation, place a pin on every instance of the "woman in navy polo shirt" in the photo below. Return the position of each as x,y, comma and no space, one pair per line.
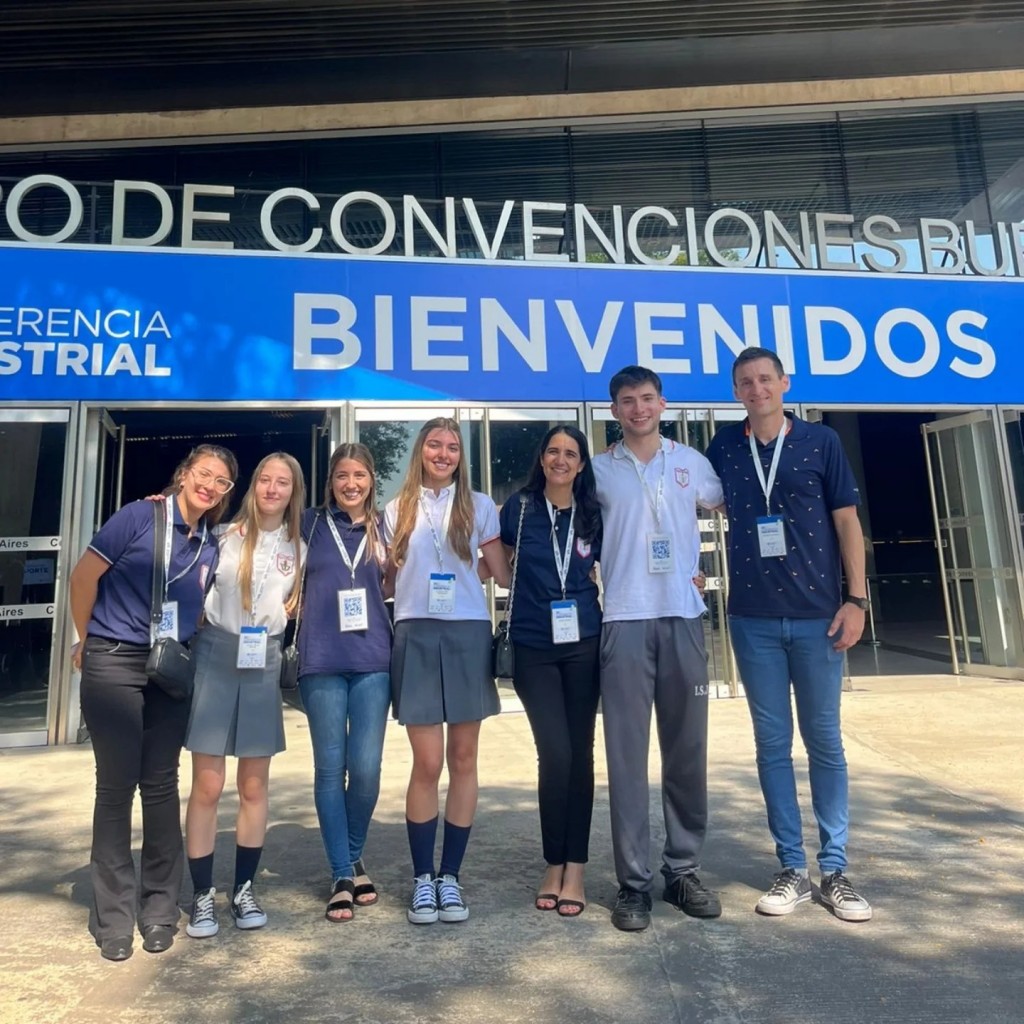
555,628
137,730
344,654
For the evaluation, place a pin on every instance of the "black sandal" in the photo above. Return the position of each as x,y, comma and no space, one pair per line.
366,889
342,899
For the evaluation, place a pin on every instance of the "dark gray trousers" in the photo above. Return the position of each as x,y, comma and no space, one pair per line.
137,732
659,662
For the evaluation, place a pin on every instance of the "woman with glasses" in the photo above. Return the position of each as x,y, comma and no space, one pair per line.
136,728
344,638
236,705
440,669
555,628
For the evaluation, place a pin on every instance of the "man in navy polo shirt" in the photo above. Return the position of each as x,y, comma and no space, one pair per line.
792,504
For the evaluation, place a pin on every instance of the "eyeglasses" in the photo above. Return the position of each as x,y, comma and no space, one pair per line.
203,477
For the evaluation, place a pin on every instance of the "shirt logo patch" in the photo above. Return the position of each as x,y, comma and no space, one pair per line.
582,548
683,477
286,564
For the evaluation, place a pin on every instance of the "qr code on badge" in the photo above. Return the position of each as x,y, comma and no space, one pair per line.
660,549
351,607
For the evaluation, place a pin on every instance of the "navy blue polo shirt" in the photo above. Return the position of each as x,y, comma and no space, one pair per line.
813,480
125,592
323,647
537,576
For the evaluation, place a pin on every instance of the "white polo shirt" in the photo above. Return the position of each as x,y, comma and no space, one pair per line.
224,602
412,583
631,592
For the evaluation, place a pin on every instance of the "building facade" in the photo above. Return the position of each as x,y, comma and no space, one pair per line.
283,225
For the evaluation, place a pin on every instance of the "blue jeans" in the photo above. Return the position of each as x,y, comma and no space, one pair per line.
772,654
347,716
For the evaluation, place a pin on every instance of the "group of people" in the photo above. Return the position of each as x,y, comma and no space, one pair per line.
230,592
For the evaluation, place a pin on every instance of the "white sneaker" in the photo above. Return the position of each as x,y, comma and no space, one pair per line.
202,922
423,909
449,898
846,903
789,888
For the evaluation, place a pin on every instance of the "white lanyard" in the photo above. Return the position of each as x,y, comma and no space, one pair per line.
654,500
445,521
257,591
766,485
562,561
168,540
349,562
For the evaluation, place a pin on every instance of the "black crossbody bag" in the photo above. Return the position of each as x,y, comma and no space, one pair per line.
290,655
503,656
169,664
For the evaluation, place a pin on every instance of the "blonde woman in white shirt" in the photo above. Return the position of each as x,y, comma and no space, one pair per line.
236,707
440,666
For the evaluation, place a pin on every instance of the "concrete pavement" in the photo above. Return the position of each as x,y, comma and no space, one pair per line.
937,771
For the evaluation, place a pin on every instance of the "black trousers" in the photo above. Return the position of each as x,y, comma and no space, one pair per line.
137,732
559,686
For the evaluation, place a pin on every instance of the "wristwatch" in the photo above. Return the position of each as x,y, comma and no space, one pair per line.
860,602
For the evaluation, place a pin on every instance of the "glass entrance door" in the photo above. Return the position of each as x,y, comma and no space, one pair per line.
33,446
979,554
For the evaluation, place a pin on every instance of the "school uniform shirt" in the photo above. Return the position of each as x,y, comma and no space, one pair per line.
412,584
125,591
537,583
323,646
224,602
813,480
631,591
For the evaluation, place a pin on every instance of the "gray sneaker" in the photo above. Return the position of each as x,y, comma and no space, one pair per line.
202,922
845,902
451,906
423,908
789,888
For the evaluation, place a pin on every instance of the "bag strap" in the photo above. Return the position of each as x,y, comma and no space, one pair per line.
302,577
156,604
515,559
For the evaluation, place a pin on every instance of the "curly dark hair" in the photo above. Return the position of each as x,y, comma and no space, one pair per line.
584,488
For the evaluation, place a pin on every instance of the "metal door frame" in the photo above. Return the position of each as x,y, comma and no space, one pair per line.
994,416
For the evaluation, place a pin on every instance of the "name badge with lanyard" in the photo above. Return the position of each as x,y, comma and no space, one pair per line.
169,609
352,613
771,530
441,593
252,639
565,620
659,543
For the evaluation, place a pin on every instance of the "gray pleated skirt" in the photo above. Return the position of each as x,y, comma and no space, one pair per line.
441,672
235,711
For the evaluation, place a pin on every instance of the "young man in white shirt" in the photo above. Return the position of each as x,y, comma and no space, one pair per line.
652,648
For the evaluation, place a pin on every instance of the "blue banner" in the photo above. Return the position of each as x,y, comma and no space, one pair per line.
171,325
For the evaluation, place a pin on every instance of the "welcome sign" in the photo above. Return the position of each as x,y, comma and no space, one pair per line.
163,325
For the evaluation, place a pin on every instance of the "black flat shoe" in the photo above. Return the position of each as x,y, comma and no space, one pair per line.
364,895
157,938
119,948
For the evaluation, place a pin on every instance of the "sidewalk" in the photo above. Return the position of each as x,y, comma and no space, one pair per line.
937,773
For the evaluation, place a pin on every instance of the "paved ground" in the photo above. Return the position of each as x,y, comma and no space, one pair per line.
938,810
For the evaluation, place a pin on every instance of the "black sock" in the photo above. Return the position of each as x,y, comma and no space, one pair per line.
247,860
421,845
453,847
201,870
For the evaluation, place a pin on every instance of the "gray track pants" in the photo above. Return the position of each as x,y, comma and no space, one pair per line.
661,662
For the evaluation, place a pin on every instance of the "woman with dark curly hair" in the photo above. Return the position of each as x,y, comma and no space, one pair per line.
555,627
137,729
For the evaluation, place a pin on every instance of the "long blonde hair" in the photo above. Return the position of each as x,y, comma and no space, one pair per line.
460,529
361,454
247,521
